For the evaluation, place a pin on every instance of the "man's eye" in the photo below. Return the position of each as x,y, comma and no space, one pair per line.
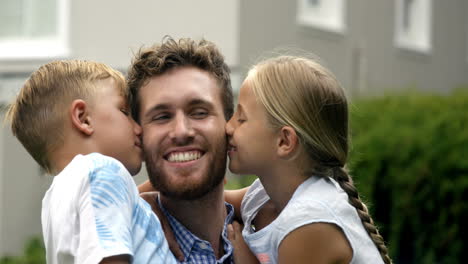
160,117
200,114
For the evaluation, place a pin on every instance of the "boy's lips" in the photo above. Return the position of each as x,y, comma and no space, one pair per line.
138,144
231,148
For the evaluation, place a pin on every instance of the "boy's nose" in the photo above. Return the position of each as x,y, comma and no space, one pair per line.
137,128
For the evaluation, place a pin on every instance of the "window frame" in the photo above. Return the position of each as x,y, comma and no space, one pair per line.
321,17
418,39
35,48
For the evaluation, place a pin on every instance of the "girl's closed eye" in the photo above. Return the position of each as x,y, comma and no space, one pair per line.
241,118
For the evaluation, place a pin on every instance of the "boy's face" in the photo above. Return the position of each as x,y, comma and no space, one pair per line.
116,134
183,132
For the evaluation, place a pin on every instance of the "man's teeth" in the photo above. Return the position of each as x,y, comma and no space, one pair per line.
183,156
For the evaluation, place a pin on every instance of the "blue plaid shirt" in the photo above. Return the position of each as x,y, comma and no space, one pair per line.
197,250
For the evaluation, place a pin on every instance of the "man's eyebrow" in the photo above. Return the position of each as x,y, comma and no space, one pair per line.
199,102
158,107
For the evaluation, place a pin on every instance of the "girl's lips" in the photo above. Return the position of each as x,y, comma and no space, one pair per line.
231,149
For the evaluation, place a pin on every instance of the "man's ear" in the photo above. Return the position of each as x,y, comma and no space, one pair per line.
80,117
287,142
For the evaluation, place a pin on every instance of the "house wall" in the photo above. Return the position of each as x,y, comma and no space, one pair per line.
364,58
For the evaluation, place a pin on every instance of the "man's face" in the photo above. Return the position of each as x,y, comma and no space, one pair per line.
184,139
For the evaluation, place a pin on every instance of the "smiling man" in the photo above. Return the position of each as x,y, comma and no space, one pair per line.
181,96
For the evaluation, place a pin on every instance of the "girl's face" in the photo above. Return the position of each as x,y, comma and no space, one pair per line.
252,141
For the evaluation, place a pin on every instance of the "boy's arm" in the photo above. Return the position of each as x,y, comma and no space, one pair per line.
120,259
105,227
151,199
235,197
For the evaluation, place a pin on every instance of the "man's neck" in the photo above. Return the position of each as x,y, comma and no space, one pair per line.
204,217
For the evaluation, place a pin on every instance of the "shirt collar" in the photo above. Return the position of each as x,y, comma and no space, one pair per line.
188,241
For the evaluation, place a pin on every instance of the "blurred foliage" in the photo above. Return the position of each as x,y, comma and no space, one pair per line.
237,182
34,253
409,160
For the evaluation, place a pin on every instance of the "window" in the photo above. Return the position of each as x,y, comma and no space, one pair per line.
31,29
327,15
413,25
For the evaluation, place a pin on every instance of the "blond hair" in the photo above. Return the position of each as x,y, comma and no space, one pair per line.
300,93
37,115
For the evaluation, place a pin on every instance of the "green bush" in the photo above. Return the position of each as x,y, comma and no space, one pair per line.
409,160
34,253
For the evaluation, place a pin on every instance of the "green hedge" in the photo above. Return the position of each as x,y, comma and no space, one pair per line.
34,253
409,160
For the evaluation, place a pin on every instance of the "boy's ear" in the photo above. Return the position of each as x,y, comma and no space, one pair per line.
287,142
80,117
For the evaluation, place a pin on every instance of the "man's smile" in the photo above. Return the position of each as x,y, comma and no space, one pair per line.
183,156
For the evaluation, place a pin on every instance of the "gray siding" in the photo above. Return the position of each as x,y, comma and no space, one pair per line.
364,58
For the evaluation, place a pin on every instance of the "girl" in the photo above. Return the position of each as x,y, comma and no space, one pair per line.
291,130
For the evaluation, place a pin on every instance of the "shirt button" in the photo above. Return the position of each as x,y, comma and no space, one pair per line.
202,245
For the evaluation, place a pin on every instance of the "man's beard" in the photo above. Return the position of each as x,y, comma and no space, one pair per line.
190,190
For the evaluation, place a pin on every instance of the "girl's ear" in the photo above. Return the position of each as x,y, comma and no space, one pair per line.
287,142
80,117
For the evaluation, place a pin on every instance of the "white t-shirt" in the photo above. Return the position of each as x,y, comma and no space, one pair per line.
93,210
317,200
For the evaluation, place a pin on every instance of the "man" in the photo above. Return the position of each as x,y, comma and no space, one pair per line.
181,96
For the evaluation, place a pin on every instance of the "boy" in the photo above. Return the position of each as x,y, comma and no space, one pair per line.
66,113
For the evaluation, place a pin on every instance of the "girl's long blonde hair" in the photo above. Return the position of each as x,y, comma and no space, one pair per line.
300,93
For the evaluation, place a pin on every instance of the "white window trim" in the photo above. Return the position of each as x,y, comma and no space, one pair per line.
309,18
403,41
41,48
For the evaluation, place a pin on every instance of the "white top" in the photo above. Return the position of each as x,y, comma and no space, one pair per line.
93,210
317,200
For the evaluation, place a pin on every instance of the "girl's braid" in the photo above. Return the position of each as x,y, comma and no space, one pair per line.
342,177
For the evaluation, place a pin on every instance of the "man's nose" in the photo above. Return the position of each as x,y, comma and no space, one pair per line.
182,129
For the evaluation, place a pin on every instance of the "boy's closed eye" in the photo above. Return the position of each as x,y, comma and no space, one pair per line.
125,111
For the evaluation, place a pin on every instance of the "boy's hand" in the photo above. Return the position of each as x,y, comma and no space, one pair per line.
151,198
242,253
